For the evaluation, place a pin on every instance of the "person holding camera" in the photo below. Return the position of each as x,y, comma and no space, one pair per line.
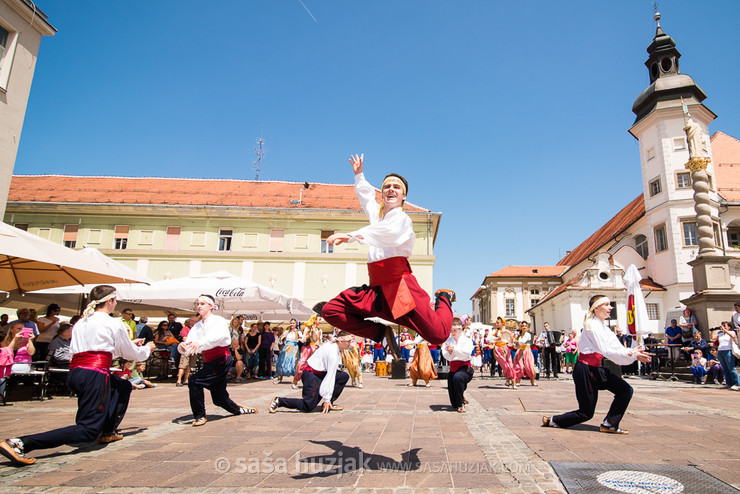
20,339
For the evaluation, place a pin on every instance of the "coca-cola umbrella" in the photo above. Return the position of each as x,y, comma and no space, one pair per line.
234,295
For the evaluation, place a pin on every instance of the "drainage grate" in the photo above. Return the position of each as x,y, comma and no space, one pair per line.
587,478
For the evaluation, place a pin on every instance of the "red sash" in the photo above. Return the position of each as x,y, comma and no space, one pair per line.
458,364
592,359
310,369
389,274
215,353
97,361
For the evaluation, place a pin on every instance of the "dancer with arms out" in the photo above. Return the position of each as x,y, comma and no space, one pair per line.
589,375
102,398
210,336
394,293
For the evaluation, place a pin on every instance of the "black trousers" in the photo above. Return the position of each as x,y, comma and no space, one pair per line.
551,361
457,383
213,378
102,401
265,362
311,397
589,380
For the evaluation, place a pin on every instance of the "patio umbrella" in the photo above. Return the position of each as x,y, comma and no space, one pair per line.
234,295
72,299
29,262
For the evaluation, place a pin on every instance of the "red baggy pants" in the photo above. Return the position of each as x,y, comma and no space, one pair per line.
348,310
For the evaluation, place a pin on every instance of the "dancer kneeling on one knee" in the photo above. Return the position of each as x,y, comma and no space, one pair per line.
589,375
458,351
322,380
102,398
211,337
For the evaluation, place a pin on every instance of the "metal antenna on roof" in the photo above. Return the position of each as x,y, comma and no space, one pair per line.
260,151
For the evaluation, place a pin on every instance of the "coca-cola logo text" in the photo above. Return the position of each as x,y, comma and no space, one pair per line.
237,291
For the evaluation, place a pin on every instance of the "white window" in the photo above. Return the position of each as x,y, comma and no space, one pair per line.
655,187
679,143
533,302
44,233
8,42
277,238
683,180
641,246
120,240
661,242
733,238
224,238
653,311
70,236
172,241
510,310
690,238
650,154
326,248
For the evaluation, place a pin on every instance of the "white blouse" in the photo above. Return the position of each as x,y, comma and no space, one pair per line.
100,332
386,237
211,333
597,338
463,349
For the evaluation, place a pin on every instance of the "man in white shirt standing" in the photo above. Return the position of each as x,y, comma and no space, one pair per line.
102,398
210,336
394,293
589,375
458,350
322,380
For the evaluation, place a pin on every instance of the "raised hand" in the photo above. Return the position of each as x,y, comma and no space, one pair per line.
356,162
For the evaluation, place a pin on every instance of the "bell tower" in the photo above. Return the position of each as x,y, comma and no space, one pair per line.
672,229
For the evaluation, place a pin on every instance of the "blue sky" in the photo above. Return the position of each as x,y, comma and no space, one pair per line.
504,116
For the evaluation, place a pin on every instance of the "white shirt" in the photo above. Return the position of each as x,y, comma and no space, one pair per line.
463,349
326,359
736,320
101,333
597,338
386,237
211,333
51,332
525,339
725,341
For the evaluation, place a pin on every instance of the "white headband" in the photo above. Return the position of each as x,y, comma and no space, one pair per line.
394,180
207,299
599,301
91,306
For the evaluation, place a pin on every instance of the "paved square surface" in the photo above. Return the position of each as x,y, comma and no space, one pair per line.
389,438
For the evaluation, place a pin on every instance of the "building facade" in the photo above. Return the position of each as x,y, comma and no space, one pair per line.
272,233
657,231
22,25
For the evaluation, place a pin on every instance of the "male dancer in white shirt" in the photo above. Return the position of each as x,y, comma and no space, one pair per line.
394,293
589,376
322,380
210,336
458,350
102,398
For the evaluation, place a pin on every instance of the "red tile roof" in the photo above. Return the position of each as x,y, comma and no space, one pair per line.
185,191
619,223
647,284
726,156
529,271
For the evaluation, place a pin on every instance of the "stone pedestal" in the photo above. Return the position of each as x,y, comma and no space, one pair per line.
713,296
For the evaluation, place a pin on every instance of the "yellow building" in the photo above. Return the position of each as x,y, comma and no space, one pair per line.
272,233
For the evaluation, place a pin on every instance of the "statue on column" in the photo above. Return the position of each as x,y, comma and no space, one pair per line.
695,138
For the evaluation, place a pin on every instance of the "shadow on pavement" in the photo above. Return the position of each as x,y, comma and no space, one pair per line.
348,459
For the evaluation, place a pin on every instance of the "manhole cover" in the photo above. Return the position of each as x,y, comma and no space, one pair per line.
582,478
